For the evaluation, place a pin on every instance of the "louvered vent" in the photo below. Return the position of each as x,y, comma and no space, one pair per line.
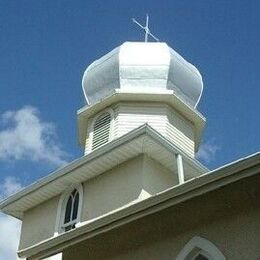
101,130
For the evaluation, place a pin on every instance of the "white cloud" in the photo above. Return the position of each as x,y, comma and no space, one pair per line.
9,186
10,227
25,136
207,151
10,233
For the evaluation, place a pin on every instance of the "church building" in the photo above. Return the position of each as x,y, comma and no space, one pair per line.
138,191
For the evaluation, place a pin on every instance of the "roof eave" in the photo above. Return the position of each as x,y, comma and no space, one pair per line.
126,140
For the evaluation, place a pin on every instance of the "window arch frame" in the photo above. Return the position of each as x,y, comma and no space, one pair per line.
198,245
60,226
111,127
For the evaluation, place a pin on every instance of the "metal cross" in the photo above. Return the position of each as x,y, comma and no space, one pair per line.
146,29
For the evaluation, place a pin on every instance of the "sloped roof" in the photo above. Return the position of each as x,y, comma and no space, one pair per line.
142,140
210,181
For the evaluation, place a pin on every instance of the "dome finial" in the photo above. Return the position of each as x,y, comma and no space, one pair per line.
146,29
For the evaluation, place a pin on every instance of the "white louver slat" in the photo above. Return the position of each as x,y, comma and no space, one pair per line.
101,130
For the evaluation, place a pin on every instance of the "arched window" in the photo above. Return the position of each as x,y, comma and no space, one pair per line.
69,209
199,248
101,130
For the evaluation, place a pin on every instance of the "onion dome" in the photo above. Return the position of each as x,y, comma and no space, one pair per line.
142,67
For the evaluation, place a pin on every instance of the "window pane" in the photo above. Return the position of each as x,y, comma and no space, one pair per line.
200,257
68,210
69,227
75,206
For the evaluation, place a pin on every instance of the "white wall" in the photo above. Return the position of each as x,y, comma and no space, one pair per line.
39,223
123,185
128,183
112,190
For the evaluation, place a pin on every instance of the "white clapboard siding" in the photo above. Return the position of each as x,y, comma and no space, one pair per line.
130,117
180,139
165,120
180,131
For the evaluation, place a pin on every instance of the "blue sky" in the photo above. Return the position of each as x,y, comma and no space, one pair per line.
45,47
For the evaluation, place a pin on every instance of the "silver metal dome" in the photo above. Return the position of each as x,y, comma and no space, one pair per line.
142,67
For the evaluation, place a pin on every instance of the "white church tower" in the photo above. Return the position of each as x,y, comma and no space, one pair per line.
142,84
140,130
